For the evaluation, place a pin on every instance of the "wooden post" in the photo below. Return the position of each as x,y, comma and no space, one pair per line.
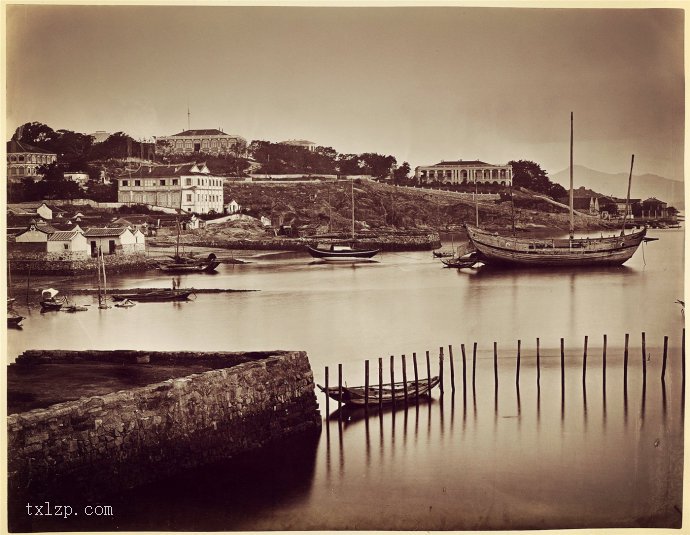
538,364
404,371
464,369
517,367
682,358
380,382
393,378
625,360
416,375
663,365
644,358
604,364
428,369
495,366
366,386
440,368
562,365
326,392
452,368
474,362
584,364
340,383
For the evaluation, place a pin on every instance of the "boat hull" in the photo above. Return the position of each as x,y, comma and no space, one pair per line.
502,250
346,255
186,268
162,295
357,395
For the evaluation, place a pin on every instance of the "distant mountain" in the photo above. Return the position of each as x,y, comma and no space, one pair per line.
616,185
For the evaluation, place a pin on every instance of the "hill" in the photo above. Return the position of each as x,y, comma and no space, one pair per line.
321,205
643,186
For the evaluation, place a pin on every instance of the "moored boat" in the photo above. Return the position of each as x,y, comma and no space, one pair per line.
13,319
341,252
49,300
568,252
357,395
154,295
465,261
190,265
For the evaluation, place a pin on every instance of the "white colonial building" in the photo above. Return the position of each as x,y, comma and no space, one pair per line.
188,187
460,171
303,143
210,141
23,160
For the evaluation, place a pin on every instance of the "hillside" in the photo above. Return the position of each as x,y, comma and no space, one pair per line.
382,207
643,186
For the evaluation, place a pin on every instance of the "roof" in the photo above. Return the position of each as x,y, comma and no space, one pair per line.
206,132
25,206
63,235
297,142
132,220
46,229
167,171
653,200
14,146
463,163
103,232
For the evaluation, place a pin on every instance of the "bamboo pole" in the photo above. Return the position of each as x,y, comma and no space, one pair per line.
452,368
366,386
495,366
416,376
584,363
464,369
517,367
440,368
663,365
474,362
644,357
340,384
380,383
428,369
538,365
625,360
393,378
603,376
562,365
404,378
326,392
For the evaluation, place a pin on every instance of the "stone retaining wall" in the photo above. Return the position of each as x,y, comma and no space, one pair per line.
66,264
103,444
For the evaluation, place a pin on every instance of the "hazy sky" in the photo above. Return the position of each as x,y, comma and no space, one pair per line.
421,83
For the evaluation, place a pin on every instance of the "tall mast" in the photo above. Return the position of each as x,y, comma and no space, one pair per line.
352,194
476,202
572,217
98,271
627,198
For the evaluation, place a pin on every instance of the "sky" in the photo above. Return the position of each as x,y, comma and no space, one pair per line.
424,84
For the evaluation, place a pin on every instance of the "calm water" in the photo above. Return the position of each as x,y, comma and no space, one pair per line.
529,458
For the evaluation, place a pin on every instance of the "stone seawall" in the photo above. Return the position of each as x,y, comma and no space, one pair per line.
65,264
101,444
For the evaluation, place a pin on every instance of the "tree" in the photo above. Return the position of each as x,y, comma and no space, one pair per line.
37,134
54,185
530,175
401,173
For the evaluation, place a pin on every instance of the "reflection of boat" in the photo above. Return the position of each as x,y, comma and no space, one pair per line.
181,264
49,301
155,295
356,395
343,252
509,250
351,414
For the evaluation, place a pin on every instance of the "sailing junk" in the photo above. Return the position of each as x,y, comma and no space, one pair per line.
341,251
509,250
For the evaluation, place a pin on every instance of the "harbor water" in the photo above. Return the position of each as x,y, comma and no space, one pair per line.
571,453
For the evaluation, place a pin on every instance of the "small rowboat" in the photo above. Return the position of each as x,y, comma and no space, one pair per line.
74,308
465,261
356,395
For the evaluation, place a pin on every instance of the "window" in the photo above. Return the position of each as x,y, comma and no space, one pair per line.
188,181
66,246
125,182
162,182
21,158
189,197
175,181
137,182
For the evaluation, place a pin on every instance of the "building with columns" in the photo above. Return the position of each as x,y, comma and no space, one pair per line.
189,187
303,143
210,141
23,160
460,171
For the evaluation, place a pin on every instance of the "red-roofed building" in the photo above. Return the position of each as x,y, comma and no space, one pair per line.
465,171
208,141
23,160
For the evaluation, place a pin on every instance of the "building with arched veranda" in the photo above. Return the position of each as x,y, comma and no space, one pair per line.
465,172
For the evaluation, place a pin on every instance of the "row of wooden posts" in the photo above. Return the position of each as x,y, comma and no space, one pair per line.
474,363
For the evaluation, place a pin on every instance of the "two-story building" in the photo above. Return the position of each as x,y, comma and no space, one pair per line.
23,160
188,187
208,141
303,143
461,171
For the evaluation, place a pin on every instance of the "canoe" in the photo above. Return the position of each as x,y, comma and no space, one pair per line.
356,395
